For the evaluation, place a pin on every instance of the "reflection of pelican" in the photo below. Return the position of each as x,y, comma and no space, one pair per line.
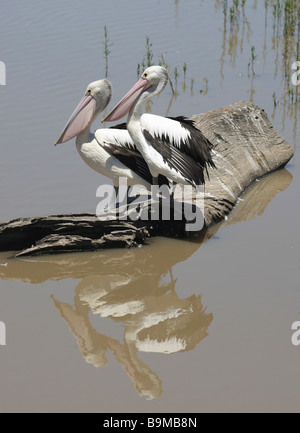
94,346
126,282
141,294
173,148
110,152
154,320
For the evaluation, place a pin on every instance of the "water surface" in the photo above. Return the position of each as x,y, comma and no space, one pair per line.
177,325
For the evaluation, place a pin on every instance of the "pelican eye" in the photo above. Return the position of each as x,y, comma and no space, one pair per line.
89,91
145,75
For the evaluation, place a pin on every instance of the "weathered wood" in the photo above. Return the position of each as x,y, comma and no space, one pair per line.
137,264
67,233
245,147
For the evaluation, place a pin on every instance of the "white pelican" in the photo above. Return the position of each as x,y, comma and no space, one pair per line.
109,151
171,147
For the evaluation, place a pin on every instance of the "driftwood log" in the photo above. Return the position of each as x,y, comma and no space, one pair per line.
137,264
245,147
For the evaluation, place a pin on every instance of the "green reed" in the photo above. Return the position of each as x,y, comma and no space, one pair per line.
148,60
106,48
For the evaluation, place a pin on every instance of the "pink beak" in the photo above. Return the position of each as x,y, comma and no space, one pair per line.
80,119
123,107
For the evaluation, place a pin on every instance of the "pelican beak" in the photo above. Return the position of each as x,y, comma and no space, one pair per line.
80,119
123,107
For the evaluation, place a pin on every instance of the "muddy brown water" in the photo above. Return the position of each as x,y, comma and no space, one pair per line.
199,325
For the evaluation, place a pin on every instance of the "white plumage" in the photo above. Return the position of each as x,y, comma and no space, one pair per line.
108,151
174,147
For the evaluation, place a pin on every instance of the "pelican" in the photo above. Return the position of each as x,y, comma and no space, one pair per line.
172,147
109,151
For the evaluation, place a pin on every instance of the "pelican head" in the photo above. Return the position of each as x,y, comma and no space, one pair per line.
157,77
96,98
153,80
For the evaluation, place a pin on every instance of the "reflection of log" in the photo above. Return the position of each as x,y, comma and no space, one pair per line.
256,198
246,147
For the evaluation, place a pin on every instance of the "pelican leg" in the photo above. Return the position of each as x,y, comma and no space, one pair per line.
155,183
173,191
116,188
114,202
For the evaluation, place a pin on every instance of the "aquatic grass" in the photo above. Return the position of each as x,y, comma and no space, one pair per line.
149,54
290,93
163,62
266,12
286,42
282,17
286,38
233,16
236,27
234,13
148,60
225,7
106,45
205,90
176,75
290,41
184,67
252,60
192,85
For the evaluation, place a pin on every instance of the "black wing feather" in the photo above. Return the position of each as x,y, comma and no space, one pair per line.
119,126
198,146
184,164
133,160
191,158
